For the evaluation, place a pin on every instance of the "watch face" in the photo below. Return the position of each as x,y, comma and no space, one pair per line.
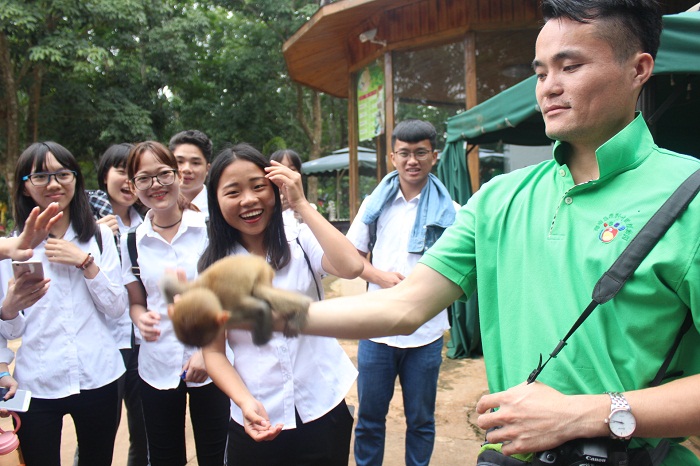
622,423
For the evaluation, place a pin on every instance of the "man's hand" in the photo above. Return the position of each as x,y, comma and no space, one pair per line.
532,418
257,422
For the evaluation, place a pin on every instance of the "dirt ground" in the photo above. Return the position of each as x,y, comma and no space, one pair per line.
461,384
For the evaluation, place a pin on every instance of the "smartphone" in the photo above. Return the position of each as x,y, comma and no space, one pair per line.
19,402
34,267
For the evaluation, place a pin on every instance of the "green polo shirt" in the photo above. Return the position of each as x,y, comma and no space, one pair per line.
534,244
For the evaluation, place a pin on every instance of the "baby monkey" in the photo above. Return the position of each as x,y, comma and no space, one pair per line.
233,290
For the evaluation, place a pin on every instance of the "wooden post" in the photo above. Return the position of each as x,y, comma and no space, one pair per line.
388,116
470,74
353,141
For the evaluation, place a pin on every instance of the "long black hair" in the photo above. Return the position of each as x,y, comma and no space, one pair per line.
223,236
34,156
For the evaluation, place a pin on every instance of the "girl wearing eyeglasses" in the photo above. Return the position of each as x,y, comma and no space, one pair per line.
172,235
68,358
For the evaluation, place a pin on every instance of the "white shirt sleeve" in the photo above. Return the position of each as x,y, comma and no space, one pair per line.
106,288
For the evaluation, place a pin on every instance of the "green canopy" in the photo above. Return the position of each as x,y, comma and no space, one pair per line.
680,44
514,117
339,160
672,111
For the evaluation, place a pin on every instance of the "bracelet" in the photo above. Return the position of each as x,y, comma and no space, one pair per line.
5,374
86,263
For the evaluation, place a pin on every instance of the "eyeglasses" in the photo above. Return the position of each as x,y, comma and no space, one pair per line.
144,182
420,154
44,178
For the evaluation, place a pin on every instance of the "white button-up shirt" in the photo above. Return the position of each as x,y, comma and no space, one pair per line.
6,354
391,254
121,326
67,345
310,373
161,361
202,201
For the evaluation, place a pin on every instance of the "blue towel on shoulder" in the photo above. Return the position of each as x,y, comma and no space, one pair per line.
435,210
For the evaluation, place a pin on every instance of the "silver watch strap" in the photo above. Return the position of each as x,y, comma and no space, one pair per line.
618,401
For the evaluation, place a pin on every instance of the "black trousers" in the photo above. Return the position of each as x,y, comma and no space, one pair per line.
94,414
164,413
323,442
130,392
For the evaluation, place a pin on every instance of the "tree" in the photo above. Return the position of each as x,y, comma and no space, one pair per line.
88,73
91,73
258,103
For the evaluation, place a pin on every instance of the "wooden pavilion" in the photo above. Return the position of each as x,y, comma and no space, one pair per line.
414,58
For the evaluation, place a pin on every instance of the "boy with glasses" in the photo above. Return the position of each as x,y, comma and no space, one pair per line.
399,221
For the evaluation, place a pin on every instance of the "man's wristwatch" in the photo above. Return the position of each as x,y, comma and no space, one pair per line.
621,421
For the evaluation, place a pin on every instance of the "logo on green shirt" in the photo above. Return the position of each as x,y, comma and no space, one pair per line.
612,226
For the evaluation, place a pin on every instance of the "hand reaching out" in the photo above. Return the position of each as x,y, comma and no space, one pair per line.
257,422
36,229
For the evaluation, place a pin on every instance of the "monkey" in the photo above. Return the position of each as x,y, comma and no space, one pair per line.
233,290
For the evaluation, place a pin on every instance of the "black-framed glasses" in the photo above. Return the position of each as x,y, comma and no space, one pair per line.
44,178
420,154
144,182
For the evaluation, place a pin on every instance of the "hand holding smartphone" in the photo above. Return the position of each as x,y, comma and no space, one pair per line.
19,402
34,268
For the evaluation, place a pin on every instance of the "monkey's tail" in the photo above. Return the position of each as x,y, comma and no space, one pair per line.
170,286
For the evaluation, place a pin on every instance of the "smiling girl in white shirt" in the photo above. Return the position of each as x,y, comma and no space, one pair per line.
68,358
288,395
173,235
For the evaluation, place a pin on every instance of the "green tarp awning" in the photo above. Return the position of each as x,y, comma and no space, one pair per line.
680,44
513,116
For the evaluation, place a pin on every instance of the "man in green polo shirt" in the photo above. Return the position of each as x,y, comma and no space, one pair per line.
534,243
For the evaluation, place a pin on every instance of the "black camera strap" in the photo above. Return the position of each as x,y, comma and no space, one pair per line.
624,266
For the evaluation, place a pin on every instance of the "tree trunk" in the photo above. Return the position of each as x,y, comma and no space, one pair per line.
10,152
34,103
314,133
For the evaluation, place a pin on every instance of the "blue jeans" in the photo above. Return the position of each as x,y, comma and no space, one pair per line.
417,369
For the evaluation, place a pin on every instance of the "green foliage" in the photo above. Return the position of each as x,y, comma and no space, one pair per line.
129,70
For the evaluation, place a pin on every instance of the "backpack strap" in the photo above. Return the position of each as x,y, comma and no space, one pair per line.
98,238
372,238
313,274
134,256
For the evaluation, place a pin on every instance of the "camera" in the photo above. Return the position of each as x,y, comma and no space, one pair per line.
585,452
